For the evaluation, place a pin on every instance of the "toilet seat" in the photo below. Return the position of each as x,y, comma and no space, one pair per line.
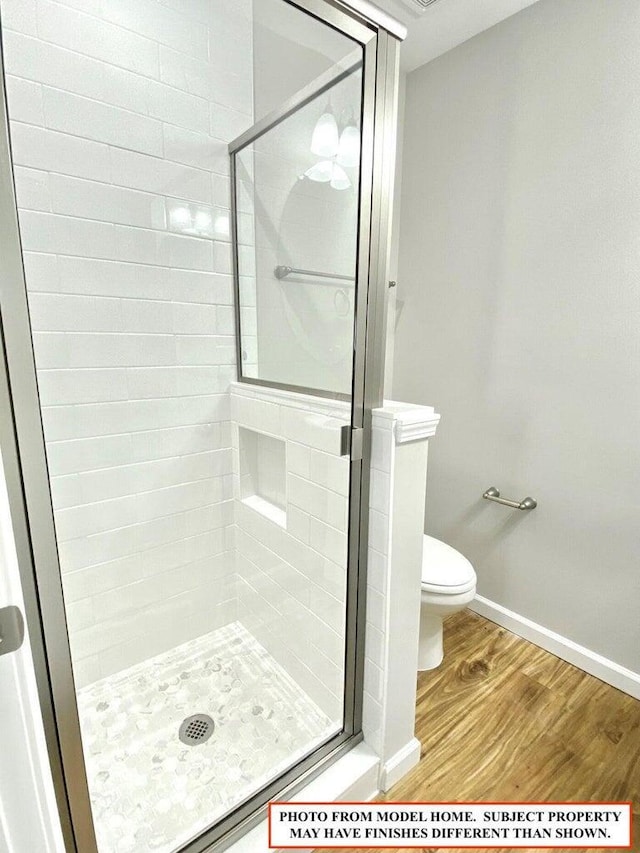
444,570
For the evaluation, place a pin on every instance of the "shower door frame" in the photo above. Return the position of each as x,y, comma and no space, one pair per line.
23,445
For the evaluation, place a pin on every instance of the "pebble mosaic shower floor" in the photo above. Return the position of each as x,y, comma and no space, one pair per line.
150,791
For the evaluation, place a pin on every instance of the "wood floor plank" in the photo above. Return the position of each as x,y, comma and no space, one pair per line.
504,720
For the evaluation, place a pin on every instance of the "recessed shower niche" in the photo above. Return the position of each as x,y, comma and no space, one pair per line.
263,474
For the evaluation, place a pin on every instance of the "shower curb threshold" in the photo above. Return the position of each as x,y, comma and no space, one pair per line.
353,777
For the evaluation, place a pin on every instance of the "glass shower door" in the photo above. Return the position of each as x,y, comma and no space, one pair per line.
187,372
297,202
296,190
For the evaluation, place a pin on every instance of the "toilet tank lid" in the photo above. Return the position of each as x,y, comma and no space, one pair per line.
442,565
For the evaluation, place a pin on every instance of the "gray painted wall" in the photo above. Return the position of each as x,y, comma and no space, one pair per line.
519,273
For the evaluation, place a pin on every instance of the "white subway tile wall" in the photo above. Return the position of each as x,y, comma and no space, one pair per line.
292,580
120,116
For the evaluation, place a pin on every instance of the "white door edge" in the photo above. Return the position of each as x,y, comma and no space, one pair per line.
28,813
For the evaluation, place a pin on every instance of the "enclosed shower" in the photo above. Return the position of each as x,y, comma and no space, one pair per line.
192,287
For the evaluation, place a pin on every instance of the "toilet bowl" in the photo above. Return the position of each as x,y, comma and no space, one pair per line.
448,585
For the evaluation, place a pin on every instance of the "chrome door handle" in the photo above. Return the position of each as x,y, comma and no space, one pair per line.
492,494
11,629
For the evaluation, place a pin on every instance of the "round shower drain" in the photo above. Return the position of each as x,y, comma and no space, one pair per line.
196,729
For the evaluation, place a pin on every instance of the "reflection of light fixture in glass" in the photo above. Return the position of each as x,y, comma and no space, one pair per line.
191,219
339,178
329,170
221,224
337,149
180,218
202,223
321,172
325,139
349,146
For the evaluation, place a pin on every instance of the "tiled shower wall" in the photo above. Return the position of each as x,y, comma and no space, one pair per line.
120,117
292,576
120,114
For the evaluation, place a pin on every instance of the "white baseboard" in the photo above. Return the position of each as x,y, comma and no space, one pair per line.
603,668
394,769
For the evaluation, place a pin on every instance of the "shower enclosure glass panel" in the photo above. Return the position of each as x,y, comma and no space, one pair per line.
196,530
291,50
297,191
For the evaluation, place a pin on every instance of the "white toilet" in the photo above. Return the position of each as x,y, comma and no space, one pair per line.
448,585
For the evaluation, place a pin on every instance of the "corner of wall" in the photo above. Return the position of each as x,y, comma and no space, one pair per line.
398,477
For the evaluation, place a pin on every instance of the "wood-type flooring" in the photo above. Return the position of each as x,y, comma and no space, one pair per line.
502,720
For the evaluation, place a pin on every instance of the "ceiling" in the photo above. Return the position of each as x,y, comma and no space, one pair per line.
446,24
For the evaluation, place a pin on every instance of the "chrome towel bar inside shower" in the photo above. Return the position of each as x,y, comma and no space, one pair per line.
492,494
284,271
